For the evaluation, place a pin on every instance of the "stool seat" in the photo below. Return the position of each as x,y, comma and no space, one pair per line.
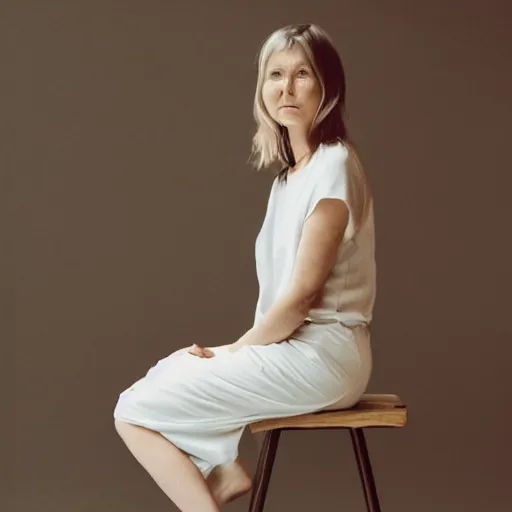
372,410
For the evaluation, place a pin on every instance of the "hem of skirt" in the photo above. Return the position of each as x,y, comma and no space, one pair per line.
204,467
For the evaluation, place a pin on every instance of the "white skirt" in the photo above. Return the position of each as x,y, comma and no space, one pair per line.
203,405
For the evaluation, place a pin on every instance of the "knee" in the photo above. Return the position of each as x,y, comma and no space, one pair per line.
121,416
120,426
123,410
125,430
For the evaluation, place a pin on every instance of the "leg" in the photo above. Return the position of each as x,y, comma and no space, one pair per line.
169,467
264,470
365,469
201,406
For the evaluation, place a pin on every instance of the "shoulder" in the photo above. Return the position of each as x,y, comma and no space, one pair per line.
337,162
338,156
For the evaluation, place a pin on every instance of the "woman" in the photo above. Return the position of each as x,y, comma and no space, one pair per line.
309,347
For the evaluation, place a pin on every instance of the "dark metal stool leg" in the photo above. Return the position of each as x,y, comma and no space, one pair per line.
264,470
365,469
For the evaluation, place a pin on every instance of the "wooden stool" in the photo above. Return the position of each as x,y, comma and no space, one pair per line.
370,411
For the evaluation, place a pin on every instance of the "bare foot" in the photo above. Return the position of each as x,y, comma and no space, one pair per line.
228,482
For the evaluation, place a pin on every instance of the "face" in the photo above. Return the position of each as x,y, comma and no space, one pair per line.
291,91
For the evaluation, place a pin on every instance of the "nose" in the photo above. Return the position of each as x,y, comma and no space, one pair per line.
288,86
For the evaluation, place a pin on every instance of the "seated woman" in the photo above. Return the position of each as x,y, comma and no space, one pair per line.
309,347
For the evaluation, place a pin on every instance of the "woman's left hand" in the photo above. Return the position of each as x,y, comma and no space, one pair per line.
203,352
207,353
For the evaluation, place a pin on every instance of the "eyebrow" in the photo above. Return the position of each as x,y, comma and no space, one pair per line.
298,65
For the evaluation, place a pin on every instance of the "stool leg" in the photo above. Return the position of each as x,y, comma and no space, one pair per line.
365,470
264,470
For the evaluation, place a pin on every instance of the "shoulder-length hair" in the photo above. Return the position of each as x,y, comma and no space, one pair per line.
271,143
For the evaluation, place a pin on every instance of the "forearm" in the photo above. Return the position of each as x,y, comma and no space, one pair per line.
281,320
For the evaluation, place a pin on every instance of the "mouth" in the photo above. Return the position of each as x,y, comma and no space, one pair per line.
288,106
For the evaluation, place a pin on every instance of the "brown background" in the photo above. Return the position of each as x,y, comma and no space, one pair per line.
133,214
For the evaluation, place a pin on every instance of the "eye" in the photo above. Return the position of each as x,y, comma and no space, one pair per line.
303,72
275,74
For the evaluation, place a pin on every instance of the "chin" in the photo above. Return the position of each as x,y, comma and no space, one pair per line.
290,120
291,124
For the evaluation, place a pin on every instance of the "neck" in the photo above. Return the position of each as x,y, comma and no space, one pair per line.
299,143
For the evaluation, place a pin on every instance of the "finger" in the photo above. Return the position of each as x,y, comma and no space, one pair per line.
196,351
208,353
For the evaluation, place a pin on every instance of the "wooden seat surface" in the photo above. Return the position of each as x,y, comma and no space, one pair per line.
372,410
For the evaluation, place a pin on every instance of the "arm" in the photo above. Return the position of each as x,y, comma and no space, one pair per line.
321,236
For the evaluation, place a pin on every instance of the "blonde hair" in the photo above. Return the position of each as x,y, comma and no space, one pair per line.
271,144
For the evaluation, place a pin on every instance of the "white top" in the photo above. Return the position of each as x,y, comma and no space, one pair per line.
334,171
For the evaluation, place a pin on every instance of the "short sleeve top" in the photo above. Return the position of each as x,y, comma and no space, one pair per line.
348,296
